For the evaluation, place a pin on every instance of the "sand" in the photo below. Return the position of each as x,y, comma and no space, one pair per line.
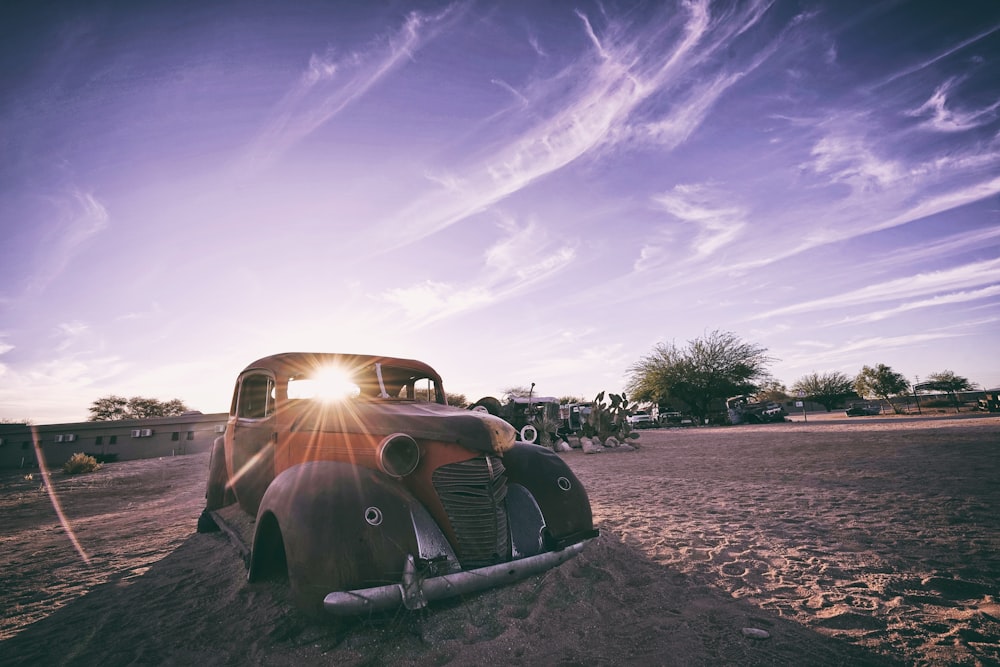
868,541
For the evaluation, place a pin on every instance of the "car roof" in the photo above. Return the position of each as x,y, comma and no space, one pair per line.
290,364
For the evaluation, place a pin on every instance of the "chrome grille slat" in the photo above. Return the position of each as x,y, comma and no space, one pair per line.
473,493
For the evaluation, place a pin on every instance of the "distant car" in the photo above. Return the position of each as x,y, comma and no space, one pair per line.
641,419
863,410
673,418
370,492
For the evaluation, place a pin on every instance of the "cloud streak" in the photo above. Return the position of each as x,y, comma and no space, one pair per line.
523,258
957,278
627,69
81,217
331,84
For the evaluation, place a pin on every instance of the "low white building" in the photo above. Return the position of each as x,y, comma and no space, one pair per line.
21,445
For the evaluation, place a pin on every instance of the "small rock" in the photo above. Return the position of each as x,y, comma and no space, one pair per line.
756,633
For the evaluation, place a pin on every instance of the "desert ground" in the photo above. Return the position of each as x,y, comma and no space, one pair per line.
863,541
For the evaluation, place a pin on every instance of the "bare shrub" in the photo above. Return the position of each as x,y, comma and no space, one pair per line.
80,463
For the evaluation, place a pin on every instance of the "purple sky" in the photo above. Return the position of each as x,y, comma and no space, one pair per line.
511,193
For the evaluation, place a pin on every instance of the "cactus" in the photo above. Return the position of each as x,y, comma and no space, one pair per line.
612,419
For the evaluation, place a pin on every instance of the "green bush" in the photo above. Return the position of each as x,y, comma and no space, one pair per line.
80,463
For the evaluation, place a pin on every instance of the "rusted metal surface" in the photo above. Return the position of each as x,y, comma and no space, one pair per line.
387,486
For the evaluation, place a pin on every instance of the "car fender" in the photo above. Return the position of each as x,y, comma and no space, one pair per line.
340,527
217,491
559,495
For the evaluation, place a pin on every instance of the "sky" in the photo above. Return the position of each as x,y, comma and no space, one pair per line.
510,191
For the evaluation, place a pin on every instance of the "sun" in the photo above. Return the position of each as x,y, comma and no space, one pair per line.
326,384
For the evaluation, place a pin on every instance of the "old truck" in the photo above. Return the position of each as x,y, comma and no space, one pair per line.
370,492
745,410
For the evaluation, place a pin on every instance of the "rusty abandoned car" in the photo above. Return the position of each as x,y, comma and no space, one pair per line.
370,492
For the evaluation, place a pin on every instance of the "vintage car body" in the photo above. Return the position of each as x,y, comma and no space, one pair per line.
385,495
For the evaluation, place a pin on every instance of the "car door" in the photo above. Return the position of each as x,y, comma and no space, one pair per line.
253,438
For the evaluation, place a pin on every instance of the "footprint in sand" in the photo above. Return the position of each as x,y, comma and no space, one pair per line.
734,569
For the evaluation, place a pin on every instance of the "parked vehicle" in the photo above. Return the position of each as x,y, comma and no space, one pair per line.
864,410
744,410
641,419
370,492
674,418
527,414
572,418
990,402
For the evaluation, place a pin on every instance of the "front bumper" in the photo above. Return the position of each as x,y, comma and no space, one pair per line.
414,592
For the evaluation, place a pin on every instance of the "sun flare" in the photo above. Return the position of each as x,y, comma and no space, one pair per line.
326,384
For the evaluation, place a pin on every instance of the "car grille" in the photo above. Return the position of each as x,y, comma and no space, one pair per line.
473,493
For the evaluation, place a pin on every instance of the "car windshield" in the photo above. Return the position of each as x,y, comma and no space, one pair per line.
374,381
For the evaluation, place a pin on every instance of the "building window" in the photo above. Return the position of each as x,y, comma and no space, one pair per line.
190,435
112,439
99,440
175,435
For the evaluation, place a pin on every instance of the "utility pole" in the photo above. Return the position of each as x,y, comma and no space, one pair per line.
915,396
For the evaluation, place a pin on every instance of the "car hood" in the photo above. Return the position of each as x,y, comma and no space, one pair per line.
474,430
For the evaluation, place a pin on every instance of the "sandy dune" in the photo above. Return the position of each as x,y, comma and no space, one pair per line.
849,542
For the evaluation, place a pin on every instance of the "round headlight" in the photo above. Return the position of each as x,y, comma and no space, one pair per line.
398,455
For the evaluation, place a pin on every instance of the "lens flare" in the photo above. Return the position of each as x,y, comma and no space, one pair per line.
54,499
326,384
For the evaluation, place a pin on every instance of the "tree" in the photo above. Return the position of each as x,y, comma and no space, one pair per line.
520,391
827,389
771,390
880,382
115,408
457,400
710,369
949,383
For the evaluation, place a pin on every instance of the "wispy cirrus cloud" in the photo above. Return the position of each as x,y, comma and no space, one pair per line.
945,246
940,56
331,83
592,105
951,298
941,118
525,256
716,223
969,276
862,350
852,160
883,201
80,216
60,382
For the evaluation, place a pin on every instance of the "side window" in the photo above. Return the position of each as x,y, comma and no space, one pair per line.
256,397
425,390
